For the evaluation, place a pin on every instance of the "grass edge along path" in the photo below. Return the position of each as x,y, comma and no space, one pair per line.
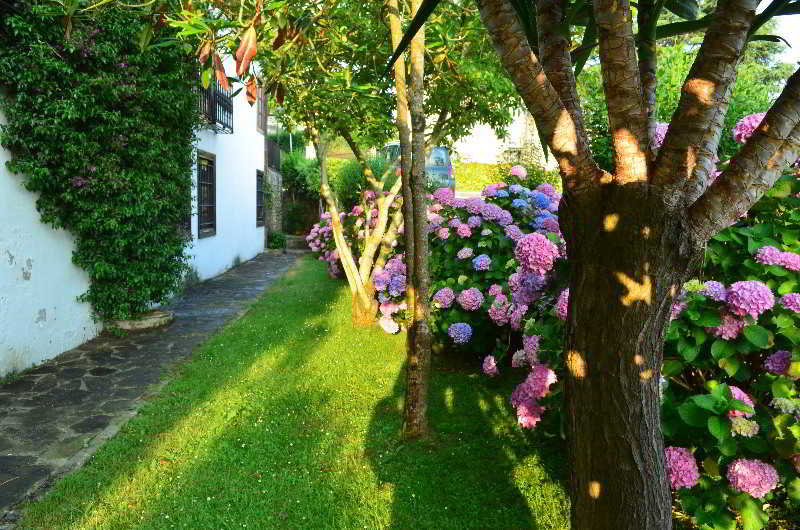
289,418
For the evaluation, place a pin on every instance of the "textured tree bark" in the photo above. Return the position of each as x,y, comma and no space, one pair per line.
626,116
540,97
419,359
647,17
629,257
687,158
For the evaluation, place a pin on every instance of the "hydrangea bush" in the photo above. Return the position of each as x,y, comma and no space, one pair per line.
729,382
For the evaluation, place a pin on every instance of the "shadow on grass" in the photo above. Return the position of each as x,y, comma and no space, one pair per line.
477,469
130,480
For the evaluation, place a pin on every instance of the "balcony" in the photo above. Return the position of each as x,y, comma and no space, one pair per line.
216,106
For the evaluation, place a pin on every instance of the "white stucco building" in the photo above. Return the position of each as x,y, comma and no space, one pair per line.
521,142
40,316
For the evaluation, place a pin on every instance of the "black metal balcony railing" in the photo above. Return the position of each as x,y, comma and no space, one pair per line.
216,106
273,155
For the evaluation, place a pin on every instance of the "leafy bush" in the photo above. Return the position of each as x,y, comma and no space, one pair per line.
348,181
103,133
276,240
475,176
300,174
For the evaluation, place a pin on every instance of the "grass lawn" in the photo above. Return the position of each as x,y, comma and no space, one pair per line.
289,418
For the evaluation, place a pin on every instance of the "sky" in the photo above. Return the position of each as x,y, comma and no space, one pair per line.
789,29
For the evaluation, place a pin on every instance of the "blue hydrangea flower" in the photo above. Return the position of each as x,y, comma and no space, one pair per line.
501,193
519,203
481,263
540,199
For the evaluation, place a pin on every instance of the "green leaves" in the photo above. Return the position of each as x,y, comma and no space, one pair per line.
722,349
753,517
720,428
758,336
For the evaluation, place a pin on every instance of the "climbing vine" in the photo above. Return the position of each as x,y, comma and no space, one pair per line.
103,132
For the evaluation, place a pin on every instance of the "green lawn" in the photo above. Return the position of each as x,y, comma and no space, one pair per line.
289,418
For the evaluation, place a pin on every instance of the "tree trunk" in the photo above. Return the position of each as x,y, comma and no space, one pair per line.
629,258
419,333
364,313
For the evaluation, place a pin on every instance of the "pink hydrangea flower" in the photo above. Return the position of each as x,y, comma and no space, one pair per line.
535,386
753,477
464,230
768,256
791,302
389,325
778,362
470,299
750,298
547,189
490,366
745,127
562,305
519,172
678,307
444,196
529,414
730,328
443,233
514,233
444,297
551,225
495,289
681,467
499,310
464,253
740,394
536,253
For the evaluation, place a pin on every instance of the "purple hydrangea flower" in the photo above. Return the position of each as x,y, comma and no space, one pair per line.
380,279
470,299
778,362
474,221
715,290
740,395
750,298
536,253
464,253
514,233
455,222
397,285
460,332
550,224
681,467
474,205
659,134
526,286
753,477
791,302
490,366
444,297
481,263
530,343
517,314
547,189
516,189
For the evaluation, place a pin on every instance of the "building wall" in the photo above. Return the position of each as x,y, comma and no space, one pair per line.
40,316
238,156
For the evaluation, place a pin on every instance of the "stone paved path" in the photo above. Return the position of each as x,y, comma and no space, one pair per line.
55,416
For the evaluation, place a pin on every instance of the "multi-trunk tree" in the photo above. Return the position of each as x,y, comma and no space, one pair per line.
636,234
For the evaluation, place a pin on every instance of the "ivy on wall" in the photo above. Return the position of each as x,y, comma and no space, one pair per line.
103,133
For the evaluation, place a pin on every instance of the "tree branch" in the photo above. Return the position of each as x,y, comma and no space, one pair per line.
647,16
755,169
557,65
376,185
689,152
540,97
626,116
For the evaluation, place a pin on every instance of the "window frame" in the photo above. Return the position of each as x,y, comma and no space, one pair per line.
261,206
262,110
204,227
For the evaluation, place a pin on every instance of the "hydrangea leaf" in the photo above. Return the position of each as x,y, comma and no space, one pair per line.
722,349
758,336
719,427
